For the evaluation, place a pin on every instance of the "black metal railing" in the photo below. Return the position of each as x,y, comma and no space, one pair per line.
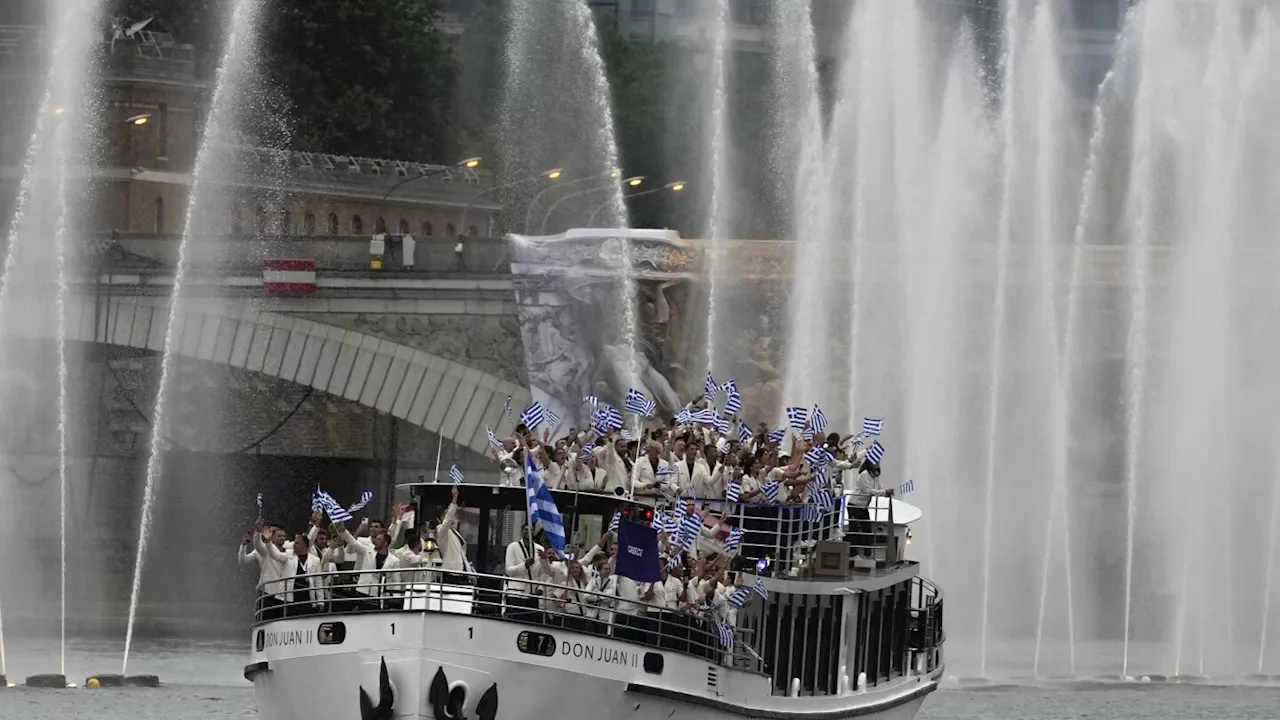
548,605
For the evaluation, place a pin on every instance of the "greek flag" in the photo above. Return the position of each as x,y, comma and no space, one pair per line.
872,426
733,491
455,474
720,424
771,491
553,420
733,543
760,589
797,417
591,400
733,405
818,419
586,452
365,497
316,502
822,497
821,474
744,432
726,635
493,439
259,503
709,388
673,562
650,408
336,512
533,416
606,419
875,452
689,529
776,436
705,416
818,457
636,402
506,407
617,519
813,513
903,489
626,435
542,507
684,417
739,597
677,517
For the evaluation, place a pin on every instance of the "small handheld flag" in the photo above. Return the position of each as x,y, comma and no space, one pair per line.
493,439
818,419
744,432
455,475
776,436
316,502
553,420
872,426
636,402
875,452
906,487
733,491
733,543
771,491
533,416
797,417
617,518
709,388
259,504
739,597
733,405
760,589
591,400
506,407
365,497
726,635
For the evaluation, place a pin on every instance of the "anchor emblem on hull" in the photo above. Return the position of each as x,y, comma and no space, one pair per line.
385,699
448,703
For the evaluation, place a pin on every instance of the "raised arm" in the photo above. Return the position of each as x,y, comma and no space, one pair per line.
352,545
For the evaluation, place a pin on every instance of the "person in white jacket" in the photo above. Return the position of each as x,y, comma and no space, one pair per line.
571,596
602,590
375,565
451,544
295,587
519,599
651,472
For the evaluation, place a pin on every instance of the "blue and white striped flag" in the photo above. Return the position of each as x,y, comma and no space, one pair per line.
818,456
807,433
733,491
636,402
609,418
650,408
822,497
733,543
876,452
674,561
739,597
732,405
506,407
726,635
591,400
627,435
455,475
705,416
316,502
533,416
812,513
553,420
542,506
365,497
818,419
760,589
617,520
336,512
493,439
677,517
259,503
821,474
586,452
709,388
771,491
684,417
776,436
744,432
872,426
720,424
797,417
689,529
906,487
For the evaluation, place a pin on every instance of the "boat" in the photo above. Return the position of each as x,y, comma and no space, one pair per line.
841,625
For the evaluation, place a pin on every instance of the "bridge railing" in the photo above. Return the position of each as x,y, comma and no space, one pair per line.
544,606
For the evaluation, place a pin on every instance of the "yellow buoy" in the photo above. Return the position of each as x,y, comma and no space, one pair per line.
93,683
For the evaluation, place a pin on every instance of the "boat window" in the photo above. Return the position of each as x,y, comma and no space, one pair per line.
532,643
332,633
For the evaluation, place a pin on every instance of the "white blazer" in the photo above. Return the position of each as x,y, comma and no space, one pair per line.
516,555
646,480
371,583
571,596
453,548
287,562
597,606
698,479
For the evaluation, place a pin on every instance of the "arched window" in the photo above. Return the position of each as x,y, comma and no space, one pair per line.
449,230
309,224
286,222
260,219
333,224
472,231
427,230
380,225
159,215
404,226
357,225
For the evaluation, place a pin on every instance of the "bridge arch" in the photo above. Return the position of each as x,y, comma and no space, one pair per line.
439,395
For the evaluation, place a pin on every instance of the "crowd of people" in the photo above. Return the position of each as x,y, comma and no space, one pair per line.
695,461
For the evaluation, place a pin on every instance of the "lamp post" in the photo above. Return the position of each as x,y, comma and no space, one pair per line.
677,186
552,175
634,181
528,217
469,163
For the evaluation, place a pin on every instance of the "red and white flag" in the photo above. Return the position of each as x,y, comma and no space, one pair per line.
287,277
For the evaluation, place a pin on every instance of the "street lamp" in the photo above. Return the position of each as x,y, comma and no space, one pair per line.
553,175
469,163
528,217
634,181
142,119
677,186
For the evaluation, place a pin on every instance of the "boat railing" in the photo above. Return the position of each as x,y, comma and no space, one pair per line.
542,605
926,631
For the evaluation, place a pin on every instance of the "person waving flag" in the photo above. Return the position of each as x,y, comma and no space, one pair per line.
542,507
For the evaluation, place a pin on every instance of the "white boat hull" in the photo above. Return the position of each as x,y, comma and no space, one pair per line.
585,677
